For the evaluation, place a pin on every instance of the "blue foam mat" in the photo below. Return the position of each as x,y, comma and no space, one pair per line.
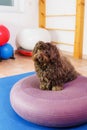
9,120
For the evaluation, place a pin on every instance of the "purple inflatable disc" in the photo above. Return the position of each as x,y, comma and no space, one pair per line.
51,108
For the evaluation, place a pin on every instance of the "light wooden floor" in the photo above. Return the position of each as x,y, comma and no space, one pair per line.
23,64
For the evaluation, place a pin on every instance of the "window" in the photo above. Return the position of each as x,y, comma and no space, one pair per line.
11,5
6,2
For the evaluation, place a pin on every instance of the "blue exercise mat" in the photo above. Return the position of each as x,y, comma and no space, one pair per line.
9,120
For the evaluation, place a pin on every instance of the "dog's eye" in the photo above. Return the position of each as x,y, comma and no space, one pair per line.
47,53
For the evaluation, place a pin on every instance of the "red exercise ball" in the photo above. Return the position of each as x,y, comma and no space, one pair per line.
4,35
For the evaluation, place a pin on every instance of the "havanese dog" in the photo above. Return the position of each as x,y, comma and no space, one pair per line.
52,68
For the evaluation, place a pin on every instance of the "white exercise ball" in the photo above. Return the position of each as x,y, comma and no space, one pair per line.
27,38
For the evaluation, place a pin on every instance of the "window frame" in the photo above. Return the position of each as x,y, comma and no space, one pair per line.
17,7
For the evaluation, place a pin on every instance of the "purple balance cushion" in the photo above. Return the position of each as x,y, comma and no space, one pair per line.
51,108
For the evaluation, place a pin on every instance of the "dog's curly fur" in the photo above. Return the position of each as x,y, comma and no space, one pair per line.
52,68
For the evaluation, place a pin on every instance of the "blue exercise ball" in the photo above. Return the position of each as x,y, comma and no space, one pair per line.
6,51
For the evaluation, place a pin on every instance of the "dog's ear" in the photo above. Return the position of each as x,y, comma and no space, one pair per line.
54,53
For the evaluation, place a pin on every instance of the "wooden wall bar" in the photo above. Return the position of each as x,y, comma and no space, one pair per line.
78,39
42,13
78,44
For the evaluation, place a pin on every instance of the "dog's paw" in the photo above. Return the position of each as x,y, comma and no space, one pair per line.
42,87
57,88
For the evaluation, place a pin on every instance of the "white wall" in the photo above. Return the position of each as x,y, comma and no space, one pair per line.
16,21
62,23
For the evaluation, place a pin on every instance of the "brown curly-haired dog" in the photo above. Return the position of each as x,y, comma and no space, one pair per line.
52,68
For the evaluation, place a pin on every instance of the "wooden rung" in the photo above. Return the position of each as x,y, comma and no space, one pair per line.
61,15
60,29
67,44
